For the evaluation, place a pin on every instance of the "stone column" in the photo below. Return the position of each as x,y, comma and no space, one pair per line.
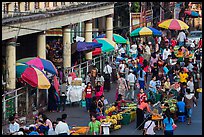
88,37
67,46
41,45
22,6
109,27
11,64
32,6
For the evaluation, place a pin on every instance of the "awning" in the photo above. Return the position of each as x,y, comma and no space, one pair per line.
96,52
84,46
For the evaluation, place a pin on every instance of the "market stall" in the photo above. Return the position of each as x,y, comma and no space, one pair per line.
74,91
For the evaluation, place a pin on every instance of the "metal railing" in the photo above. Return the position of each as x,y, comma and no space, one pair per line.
82,69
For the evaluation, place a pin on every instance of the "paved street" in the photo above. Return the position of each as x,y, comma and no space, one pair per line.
79,116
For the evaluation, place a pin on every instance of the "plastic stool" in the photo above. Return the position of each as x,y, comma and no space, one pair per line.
181,118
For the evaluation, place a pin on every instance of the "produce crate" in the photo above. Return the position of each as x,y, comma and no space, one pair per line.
126,119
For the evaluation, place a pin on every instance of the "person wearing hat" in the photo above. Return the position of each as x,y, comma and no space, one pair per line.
131,80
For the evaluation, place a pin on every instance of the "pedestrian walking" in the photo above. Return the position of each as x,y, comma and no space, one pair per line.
100,79
131,79
93,107
190,102
63,99
98,90
107,75
181,38
168,124
87,95
141,78
141,97
122,85
52,101
149,126
196,81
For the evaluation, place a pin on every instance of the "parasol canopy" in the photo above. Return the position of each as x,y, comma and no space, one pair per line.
108,45
192,13
32,75
84,46
40,63
116,38
173,24
145,31
96,52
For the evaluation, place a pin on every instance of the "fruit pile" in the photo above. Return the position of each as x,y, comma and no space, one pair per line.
113,120
172,105
111,109
155,117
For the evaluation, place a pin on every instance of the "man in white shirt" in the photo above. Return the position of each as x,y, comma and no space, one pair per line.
13,126
107,71
122,51
149,127
147,52
166,53
181,38
121,67
62,128
133,51
131,84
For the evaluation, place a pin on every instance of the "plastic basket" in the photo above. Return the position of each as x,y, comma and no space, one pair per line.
83,103
126,119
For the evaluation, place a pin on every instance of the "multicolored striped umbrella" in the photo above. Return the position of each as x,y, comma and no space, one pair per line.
192,13
145,31
32,75
108,45
40,63
173,24
116,38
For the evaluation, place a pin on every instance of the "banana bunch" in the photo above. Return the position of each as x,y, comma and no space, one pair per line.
111,109
119,117
117,127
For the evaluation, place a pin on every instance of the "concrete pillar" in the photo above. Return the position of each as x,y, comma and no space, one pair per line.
67,47
59,4
11,64
41,45
41,5
22,7
11,8
32,6
88,37
109,27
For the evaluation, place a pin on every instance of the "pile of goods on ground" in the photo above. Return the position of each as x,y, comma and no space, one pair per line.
79,130
172,105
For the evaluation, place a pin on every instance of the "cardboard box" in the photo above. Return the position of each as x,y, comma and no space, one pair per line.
76,83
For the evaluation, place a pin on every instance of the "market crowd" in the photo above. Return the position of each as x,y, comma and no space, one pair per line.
174,70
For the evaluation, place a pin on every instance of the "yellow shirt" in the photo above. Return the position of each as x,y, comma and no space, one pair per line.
167,85
183,77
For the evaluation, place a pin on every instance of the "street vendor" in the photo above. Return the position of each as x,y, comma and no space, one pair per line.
141,111
121,102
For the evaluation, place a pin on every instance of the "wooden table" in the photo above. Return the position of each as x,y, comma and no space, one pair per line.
160,122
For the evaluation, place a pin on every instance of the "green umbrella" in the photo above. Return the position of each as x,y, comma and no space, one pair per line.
119,39
108,45
20,68
116,38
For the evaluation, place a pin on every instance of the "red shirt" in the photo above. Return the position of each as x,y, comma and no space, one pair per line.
173,43
200,44
88,92
146,68
141,97
141,59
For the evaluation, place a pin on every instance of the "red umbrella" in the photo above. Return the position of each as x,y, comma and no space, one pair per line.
96,52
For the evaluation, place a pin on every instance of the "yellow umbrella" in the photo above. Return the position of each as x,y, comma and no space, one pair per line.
173,24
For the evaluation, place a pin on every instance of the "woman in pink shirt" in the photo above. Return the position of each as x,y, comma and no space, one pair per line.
47,121
98,90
